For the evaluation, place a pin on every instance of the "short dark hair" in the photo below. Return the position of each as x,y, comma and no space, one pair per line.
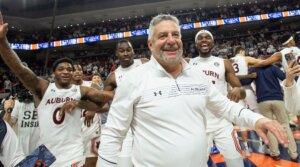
96,74
238,49
122,41
76,64
62,60
284,38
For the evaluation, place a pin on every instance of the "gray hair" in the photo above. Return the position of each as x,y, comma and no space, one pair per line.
159,18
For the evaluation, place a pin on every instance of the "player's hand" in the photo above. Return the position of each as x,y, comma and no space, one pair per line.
9,104
253,75
88,118
3,28
236,94
292,71
69,106
262,126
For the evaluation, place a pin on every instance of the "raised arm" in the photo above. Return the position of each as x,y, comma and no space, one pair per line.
276,57
238,92
252,60
32,82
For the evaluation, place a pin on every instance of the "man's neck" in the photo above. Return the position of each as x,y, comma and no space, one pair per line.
77,82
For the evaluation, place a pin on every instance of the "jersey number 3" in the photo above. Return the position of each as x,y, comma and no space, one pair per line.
235,67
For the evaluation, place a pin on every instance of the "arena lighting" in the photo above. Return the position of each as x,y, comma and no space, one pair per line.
142,32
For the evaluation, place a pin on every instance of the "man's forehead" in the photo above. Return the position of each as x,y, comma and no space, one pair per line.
204,34
64,64
124,45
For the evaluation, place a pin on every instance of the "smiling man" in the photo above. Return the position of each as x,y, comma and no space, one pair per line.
125,54
220,72
164,103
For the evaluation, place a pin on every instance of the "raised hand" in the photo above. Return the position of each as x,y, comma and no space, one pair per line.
3,28
291,73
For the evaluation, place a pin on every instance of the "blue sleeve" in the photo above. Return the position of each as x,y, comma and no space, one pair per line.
280,74
246,81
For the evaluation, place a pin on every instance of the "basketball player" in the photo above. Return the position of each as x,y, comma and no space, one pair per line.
91,123
24,116
240,64
289,52
59,123
125,54
219,71
163,102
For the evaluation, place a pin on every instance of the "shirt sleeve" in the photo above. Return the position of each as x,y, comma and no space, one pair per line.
118,123
279,73
221,106
11,153
291,97
15,111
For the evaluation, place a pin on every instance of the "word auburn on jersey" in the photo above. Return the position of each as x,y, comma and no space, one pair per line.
59,100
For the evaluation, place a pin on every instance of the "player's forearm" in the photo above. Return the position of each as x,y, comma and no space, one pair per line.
223,107
90,106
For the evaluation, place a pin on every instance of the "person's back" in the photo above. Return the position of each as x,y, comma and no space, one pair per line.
267,83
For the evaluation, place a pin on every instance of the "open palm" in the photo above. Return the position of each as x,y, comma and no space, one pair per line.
3,27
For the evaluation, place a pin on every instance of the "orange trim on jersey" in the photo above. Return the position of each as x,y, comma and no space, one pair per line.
127,34
285,14
242,19
103,37
80,40
197,25
236,142
264,16
34,46
220,22
217,158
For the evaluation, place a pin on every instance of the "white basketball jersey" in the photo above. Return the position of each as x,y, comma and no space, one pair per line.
28,130
61,133
214,69
240,65
95,125
289,54
120,71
